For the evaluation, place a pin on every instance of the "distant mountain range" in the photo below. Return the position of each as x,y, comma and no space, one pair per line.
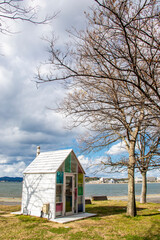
11,179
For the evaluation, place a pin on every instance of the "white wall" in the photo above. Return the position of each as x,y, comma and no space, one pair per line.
38,189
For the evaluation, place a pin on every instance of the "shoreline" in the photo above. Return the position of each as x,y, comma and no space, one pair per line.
92,182
154,198
10,201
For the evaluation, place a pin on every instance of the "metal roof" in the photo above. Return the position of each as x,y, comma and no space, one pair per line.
48,162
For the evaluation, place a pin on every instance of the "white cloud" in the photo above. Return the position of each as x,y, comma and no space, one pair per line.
93,165
14,170
153,173
2,161
118,148
84,161
5,80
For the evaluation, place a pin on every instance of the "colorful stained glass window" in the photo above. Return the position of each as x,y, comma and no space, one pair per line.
80,178
79,169
59,193
75,181
68,164
75,194
73,185
68,203
80,190
80,199
59,207
80,204
73,164
59,177
80,207
69,193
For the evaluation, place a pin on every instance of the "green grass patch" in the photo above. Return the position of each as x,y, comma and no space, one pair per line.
111,223
84,235
25,218
96,218
31,226
130,237
60,230
155,237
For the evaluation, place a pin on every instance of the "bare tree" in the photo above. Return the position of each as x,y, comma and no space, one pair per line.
13,10
123,32
112,70
148,156
136,25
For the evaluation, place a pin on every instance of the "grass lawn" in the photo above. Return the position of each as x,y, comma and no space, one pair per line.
110,223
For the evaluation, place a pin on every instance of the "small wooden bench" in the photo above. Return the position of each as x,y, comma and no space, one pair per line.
88,201
99,198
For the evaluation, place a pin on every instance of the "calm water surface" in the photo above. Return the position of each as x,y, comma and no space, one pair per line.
119,189
11,189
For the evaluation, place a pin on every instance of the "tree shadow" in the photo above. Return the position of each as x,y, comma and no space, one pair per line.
35,193
108,210
150,234
149,215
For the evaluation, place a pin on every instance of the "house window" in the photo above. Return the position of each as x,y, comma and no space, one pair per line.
80,191
59,191
68,164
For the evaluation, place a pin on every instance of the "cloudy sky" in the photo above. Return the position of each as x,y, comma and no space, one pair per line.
25,118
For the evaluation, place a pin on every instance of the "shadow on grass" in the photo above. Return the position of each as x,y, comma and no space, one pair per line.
153,233
108,210
149,215
4,213
135,237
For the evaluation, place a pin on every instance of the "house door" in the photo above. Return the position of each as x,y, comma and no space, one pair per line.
69,195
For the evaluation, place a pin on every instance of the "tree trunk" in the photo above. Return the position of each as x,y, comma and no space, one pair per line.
144,188
131,207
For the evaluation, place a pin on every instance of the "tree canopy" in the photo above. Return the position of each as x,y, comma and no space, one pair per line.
112,67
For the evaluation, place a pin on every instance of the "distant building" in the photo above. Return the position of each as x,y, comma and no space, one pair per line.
102,180
158,179
138,180
112,180
151,179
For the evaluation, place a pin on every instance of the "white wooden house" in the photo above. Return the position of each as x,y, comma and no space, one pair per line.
53,185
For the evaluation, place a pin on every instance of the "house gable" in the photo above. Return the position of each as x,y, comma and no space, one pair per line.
70,164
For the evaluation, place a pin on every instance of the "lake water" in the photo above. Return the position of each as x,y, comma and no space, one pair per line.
11,189
119,189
